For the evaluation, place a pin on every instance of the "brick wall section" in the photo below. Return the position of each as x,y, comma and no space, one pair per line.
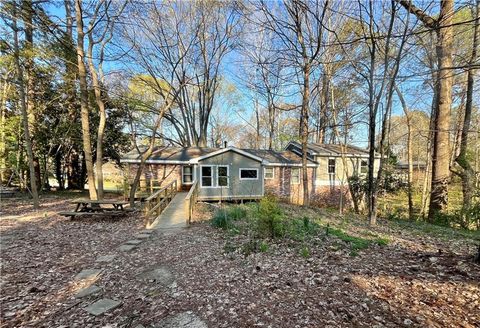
321,196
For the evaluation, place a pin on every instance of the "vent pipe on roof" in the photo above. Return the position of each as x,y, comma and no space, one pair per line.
225,144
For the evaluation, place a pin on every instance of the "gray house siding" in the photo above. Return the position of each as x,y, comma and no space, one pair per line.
237,187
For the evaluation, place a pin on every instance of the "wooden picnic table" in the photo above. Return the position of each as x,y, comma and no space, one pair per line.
88,205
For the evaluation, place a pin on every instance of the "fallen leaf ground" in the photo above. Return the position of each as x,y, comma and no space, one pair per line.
420,279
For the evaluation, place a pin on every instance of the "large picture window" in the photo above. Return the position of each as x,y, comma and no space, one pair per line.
187,177
248,174
207,176
222,176
295,176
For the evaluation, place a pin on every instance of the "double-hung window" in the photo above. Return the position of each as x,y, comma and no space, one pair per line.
207,176
269,173
331,166
187,175
222,176
363,166
295,178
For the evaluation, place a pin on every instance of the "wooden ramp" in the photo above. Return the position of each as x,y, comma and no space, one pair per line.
173,216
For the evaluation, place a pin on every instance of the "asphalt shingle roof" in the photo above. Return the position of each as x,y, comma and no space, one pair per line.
179,154
331,149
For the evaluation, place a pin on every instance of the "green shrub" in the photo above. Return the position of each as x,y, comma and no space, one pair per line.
270,218
221,219
237,212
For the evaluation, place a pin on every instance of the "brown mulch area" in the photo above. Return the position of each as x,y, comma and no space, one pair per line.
406,283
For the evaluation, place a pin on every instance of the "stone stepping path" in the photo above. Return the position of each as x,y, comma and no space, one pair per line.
142,236
182,320
90,290
105,258
133,242
88,274
126,247
160,275
102,306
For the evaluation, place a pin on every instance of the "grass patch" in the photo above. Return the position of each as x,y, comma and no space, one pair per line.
443,232
356,243
223,218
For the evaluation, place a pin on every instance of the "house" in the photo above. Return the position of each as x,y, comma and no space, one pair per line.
419,171
232,173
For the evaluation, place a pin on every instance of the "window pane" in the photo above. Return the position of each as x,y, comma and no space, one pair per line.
187,170
296,176
269,173
207,181
222,171
364,167
222,181
331,166
206,171
222,178
187,178
248,174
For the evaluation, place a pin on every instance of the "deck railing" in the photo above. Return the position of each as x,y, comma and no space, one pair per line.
156,202
190,201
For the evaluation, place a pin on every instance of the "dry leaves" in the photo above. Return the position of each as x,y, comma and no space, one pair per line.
406,283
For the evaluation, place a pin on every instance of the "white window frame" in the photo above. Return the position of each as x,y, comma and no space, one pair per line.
183,175
247,168
265,172
360,167
299,175
228,176
334,166
212,176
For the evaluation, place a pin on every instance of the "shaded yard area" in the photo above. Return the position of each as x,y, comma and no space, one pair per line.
408,275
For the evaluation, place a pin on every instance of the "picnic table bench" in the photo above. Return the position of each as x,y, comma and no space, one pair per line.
93,207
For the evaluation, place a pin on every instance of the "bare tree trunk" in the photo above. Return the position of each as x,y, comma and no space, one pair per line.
304,130
257,121
82,75
467,173
409,151
440,157
3,108
441,167
146,155
23,105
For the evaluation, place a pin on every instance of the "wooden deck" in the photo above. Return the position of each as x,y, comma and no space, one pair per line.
173,216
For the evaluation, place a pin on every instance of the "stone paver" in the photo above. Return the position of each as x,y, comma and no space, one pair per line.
102,306
146,231
105,258
126,247
142,236
88,274
159,275
182,320
87,291
133,242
